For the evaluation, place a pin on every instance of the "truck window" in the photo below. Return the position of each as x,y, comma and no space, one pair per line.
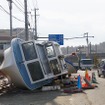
50,51
35,71
29,51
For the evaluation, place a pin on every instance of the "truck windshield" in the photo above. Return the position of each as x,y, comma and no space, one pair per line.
86,61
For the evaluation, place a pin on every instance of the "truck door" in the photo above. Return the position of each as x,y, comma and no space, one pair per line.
44,60
52,59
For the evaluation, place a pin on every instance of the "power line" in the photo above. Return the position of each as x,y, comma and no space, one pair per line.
21,9
20,32
20,3
78,37
9,14
18,8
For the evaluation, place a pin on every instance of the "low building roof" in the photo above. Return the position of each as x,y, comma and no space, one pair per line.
6,38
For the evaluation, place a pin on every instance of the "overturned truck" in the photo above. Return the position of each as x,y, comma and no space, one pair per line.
28,64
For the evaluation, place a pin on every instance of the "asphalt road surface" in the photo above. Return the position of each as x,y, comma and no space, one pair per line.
57,97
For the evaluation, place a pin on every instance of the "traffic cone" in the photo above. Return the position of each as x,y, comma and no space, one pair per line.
87,75
76,89
94,78
87,84
79,85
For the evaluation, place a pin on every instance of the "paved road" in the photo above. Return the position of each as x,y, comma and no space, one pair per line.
88,97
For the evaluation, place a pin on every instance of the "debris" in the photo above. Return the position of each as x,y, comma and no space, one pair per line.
48,88
94,78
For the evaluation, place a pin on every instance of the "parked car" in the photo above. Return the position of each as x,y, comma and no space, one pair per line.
101,68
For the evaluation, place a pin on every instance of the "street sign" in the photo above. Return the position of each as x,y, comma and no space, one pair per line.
57,38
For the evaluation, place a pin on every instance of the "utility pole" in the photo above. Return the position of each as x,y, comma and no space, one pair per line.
26,20
87,40
35,37
87,52
10,8
90,49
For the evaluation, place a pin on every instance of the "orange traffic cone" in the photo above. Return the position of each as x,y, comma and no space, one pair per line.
87,75
87,84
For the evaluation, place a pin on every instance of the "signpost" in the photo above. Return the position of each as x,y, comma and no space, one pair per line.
57,38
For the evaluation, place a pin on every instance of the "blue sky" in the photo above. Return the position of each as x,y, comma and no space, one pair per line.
72,18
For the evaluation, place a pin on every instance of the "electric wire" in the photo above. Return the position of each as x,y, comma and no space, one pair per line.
20,32
12,15
31,14
20,3
17,5
18,8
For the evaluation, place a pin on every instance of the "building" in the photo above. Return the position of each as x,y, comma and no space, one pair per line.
5,38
